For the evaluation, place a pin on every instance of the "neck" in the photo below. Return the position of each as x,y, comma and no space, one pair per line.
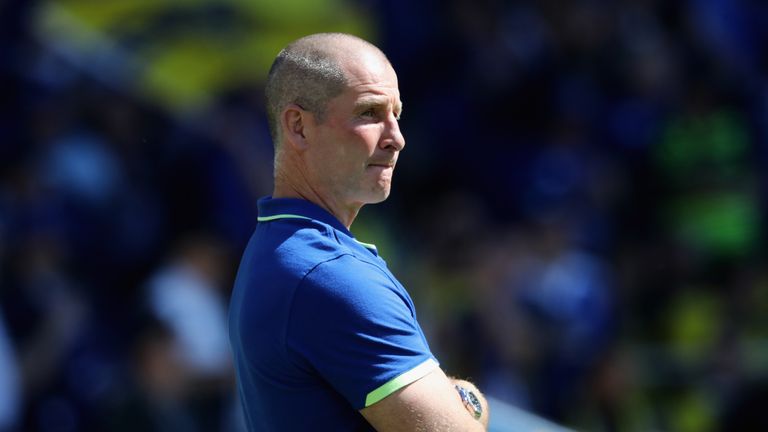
287,186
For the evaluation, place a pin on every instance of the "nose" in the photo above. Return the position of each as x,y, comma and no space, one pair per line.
392,138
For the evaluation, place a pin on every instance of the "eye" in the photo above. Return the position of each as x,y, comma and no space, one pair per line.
368,113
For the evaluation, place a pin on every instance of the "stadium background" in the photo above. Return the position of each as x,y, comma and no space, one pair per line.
579,212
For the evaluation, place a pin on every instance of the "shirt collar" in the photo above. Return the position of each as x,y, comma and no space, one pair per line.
287,208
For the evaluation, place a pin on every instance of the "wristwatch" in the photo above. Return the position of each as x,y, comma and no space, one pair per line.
471,402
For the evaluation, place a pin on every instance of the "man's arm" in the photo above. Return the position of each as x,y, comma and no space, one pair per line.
429,404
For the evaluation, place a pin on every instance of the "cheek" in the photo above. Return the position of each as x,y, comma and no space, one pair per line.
340,160
368,138
358,145
348,149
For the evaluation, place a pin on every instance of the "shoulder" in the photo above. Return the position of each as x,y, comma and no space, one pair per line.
292,245
349,276
353,289
347,267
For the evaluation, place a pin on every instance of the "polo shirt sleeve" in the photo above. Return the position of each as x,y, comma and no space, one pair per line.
351,324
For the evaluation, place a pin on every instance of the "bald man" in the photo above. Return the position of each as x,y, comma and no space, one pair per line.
325,338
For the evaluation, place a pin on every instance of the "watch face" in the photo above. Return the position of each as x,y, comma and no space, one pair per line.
475,404
470,401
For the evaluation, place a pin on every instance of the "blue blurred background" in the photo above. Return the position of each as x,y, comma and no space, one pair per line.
579,212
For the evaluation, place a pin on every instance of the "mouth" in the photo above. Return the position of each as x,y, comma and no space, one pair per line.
382,165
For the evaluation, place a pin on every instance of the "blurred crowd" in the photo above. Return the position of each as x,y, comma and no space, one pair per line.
578,213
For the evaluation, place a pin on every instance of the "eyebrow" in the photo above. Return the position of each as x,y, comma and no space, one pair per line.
373,101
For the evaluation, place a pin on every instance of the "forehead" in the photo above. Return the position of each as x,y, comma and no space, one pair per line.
371,77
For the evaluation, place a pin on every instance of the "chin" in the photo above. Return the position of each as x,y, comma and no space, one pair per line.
377,196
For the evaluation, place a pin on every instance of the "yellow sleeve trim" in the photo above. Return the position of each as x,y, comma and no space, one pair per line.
400,381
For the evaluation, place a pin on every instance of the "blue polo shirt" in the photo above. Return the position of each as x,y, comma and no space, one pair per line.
319,326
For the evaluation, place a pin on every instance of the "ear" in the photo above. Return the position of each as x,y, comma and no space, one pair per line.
293,121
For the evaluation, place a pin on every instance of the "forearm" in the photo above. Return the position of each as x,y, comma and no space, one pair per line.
483,402
431,403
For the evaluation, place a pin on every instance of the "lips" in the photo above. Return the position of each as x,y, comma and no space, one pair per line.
384,164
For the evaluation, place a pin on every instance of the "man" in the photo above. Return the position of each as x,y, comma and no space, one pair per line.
324,337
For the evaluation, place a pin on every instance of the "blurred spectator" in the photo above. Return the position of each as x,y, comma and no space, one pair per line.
81,168
188,295
50,317
156,399
563,296
10,391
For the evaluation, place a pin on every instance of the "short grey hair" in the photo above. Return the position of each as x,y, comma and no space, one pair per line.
308,73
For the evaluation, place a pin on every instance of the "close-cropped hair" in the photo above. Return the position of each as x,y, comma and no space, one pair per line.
304,74
308,73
